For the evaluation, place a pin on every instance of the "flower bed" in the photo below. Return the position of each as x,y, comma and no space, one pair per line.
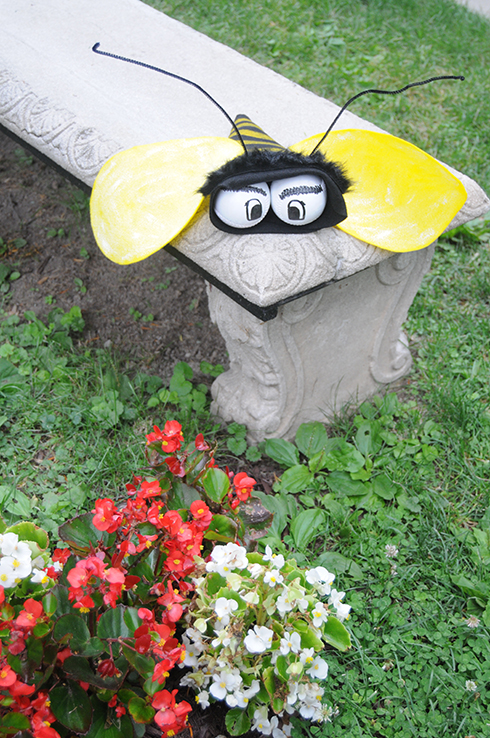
163,581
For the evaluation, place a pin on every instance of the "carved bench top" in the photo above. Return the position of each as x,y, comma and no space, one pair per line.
79,109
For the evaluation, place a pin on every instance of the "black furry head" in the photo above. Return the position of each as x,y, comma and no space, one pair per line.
263,165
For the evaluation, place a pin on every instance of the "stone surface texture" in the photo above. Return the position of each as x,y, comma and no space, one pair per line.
334,345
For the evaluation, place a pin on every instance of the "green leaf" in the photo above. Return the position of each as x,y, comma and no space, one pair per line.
308,638
281,666
72,628
311,438
140,710
339,564
112,624
182,496
341,483
368,439
304,526
221,529
473,589
144,665
237,446
14,720
237,721
79,533
383,487
216,484
132,619
345,457
71,706
285,453
336,634
50,603
101,723
296,479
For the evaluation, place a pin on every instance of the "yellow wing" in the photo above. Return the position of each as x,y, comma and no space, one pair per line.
143,197
401,198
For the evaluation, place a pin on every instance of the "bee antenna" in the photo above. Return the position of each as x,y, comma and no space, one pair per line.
96,49
382,92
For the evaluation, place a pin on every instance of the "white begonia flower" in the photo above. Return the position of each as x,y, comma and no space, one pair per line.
7,573
276,559
319,575
307,656
8,542
285,732
245,695
284,602
259,639
224,682
39,577
223,639
335,598
21,567
192,652
290,642
343,611
273,577
202,699
319,614
223,608
261,721
256,570
318,669
310,696
226,558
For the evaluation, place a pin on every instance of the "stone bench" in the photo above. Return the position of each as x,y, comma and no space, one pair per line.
310,321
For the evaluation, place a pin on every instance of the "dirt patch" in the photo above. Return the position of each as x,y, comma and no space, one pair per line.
155,311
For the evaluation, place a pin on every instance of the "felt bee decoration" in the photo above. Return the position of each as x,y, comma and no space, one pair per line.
372,185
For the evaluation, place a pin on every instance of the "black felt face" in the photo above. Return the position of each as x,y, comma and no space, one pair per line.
248,172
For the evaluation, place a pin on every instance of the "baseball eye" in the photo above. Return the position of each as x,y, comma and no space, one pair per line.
299,200
243,208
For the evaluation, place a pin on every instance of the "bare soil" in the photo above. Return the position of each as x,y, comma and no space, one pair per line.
154,312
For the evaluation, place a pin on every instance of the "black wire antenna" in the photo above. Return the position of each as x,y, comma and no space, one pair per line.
96,49
382,92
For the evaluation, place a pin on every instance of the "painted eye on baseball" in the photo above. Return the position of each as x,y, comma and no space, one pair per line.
299,200
243,208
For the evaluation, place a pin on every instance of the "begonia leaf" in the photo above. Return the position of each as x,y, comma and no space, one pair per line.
41,629
34,651
311,438
221,529
140,710
269,681
132,619
71,706
72,628
277,704
237,721
216,484
281,666
214,582
93,647
112,624
182,495
336,634
144,665
79,533
308,638
14,720
50,603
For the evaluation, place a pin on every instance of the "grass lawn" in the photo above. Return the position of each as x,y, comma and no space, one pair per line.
394,499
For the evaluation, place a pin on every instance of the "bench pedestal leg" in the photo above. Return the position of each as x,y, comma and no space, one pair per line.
338,345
